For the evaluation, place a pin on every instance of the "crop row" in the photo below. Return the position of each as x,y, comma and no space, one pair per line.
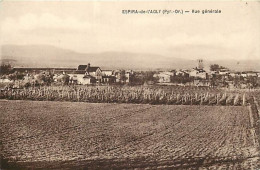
106,94
126,136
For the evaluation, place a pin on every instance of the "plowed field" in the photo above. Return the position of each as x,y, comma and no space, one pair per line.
69,135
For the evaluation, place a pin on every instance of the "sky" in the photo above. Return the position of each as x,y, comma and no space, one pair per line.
95,27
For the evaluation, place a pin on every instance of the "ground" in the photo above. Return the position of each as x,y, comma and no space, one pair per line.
71,135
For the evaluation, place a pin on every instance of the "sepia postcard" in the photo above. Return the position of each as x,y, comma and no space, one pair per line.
129,84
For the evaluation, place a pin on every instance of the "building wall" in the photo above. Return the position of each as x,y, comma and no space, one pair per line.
97,75
86,81
107,72
5,81
80,78
127,75
164,79
196,73
202,75
193,73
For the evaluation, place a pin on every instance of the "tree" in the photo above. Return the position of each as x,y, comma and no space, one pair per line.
122,76
15,76
237,81
5,69
148,76
216,67
137,79
251,82
27,84
40,78
65,79
181,79
43,78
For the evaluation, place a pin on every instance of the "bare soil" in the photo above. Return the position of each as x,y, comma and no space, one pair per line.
69,135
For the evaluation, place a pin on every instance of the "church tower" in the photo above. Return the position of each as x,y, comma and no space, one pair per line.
200,64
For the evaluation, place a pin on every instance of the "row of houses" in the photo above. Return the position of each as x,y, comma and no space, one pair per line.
87,74
83,74
165,76
201,74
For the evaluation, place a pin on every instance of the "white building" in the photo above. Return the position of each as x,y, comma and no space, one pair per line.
107,72
164,77
243,74
252,74
198,73
86,74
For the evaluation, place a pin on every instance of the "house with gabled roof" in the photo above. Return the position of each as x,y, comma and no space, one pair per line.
93,71
87,74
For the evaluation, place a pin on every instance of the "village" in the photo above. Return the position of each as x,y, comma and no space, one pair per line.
217,76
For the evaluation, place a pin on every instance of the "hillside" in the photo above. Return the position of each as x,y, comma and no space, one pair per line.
50,56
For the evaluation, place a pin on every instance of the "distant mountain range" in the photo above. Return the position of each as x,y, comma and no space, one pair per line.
50,56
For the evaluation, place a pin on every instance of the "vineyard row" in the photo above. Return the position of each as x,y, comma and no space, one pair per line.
124,95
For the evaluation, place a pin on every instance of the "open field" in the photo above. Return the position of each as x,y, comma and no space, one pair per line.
69,135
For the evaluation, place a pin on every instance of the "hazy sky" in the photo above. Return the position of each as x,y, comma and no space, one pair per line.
91,27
